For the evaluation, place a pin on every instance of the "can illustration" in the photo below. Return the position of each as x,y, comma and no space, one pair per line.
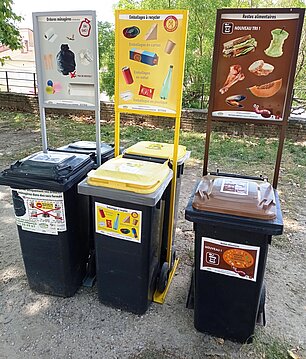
127,75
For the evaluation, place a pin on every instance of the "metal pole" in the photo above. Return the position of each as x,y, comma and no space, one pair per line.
43,129
98,134
97,91
173,189
34,79
207,142
117,132
282,135
7,83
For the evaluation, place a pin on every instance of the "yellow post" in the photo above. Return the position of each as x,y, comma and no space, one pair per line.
173,188
117,133
117,112
134,93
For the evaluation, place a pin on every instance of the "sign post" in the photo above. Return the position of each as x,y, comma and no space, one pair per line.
149,72
66,55
254,65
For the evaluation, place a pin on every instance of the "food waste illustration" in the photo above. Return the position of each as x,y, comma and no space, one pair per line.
253,65
117,222
67,59
149,61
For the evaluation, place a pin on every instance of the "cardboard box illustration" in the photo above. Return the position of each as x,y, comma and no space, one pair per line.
146,57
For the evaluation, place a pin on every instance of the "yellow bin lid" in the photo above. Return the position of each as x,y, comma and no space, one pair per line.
129,175
156,150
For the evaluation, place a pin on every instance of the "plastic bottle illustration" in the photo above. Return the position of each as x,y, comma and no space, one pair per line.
116,223
275,48
166,84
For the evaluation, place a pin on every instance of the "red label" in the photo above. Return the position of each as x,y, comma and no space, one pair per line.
170,23
85,28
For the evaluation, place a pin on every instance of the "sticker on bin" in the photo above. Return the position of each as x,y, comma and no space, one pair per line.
117,222
51,157
39,211
231,259
240,188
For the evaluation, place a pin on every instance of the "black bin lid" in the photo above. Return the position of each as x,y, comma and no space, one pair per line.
47,170
88,147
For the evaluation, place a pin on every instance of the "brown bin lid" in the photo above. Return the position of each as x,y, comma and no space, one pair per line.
236,196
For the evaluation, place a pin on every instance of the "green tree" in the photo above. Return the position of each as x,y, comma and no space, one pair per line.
200,42
106,44
9,33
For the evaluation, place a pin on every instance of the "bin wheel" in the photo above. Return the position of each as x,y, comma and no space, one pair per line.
261,315
262,299
173,257
163,278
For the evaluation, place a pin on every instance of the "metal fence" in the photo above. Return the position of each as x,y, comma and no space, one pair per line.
17,81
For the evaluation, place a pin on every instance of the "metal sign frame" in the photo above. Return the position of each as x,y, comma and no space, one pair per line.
282,125
39,69
139,15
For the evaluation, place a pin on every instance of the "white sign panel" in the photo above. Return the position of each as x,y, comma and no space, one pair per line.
66,59
39,211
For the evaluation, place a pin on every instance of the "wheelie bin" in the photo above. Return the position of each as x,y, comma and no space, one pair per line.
107,152
128,208
161,152
234,219
89,148
52,219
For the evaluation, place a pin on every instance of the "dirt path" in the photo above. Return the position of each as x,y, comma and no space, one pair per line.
40,326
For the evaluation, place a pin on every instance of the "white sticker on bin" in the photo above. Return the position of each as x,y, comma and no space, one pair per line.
39,211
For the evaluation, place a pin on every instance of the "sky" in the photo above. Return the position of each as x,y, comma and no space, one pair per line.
25,8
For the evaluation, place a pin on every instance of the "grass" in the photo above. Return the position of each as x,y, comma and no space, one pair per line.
237,154
265,346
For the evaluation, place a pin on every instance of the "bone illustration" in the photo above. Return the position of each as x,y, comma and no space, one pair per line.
235,74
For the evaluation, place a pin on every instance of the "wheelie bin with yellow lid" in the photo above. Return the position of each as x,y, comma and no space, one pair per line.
128,206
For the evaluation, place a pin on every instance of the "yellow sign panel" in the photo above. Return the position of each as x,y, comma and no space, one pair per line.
122,223
150,55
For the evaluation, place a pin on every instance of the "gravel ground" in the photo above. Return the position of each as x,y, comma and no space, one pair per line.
40,326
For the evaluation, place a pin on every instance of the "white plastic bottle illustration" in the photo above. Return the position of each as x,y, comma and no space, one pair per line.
166,84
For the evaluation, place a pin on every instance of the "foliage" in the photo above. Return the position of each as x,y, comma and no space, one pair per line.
200,42
9,33
106,43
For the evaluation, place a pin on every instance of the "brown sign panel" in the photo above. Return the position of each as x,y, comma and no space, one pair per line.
254,63
230,259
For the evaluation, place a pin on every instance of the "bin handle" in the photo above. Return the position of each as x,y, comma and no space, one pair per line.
204,188
267,197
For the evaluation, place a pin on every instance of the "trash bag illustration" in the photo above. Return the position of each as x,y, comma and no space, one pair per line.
18,203
65,60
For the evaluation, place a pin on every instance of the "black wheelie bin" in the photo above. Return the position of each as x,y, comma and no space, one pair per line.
52,219
89,148
234,220
128,206
107,152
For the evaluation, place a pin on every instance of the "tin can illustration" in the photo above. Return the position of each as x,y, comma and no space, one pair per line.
127,75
